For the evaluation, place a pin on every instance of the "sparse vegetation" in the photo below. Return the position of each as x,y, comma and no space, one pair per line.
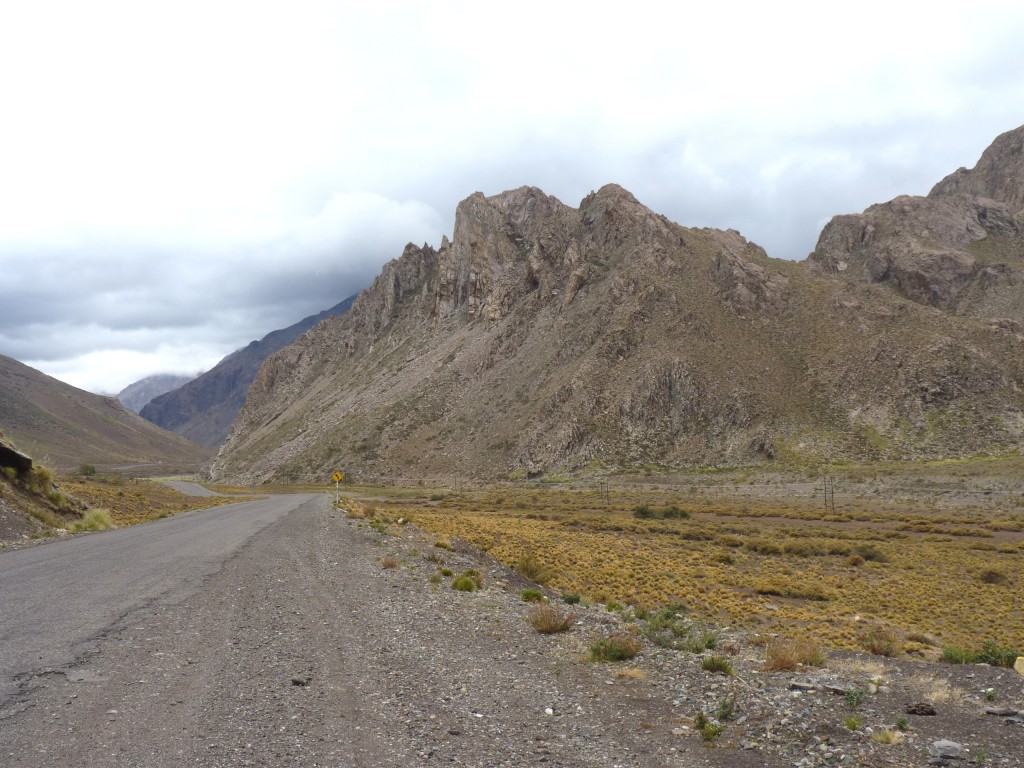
96,519
618,646
887,736
717,664
533,569
881,641
794,572
548,620
464,584
708,729
989,653
787,655
530,595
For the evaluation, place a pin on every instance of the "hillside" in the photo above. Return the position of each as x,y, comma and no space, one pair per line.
138,393
202,409
547,339
64,427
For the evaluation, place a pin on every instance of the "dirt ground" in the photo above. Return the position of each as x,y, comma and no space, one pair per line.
305,651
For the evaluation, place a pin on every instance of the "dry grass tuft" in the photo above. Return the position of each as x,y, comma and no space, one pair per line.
935,690
549,620
631,673
388,562
618,646
787,655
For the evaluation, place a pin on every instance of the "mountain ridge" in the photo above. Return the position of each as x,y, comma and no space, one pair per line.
202,409
545,338
64,427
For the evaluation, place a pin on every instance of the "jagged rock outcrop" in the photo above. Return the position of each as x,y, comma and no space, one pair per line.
548,338
960,249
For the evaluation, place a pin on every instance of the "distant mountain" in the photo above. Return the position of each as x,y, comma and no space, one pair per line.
64,427
203,409
545,338
136,395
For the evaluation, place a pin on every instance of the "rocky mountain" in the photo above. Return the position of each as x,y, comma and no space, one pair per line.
136,395
202,409
544,338
64,427
960,249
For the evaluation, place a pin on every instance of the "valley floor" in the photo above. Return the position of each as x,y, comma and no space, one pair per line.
305,650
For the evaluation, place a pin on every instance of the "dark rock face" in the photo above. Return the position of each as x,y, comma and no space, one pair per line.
203,409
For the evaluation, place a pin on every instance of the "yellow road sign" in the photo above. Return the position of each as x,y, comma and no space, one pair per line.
338,477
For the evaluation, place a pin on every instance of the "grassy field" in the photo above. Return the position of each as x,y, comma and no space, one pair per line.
134,501
910,560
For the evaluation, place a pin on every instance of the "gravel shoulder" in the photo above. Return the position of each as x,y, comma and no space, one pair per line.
304,651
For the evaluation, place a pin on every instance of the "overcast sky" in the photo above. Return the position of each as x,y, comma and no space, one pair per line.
179,178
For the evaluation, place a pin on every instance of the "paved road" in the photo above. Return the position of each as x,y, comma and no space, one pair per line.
57,599
189,489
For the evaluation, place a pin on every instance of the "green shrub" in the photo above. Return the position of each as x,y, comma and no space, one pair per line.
854,697
532,595
955,654
996,655
672,512
726,709
96,519
643,512
618,646
464,584
716,663
708,730
11,473
852,723
571,598
87,470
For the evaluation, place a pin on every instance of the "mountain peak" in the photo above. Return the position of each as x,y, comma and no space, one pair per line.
999,174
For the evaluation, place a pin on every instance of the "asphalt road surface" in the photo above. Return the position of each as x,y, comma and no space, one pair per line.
58,599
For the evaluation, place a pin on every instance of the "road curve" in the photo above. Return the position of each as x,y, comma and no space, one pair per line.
57,598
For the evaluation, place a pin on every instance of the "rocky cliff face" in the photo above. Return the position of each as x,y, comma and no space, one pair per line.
960,249
546,338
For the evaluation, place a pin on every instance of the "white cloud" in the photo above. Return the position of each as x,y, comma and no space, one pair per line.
208,171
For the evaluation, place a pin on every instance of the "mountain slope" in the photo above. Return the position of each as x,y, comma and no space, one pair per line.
63,427
202,410
546,338
137,394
